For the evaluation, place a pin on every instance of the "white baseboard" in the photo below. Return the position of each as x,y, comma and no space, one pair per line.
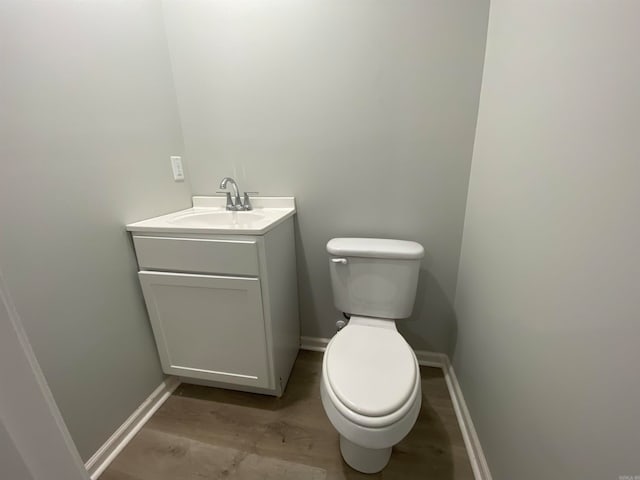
472,442
438,360
132,425
315,344
431,359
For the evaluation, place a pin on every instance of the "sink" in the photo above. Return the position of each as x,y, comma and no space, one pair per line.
217,219
209,216
221,292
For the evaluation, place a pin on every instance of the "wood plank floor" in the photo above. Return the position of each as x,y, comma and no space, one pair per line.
207,433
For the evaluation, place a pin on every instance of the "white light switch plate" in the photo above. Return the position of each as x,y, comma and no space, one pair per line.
178,171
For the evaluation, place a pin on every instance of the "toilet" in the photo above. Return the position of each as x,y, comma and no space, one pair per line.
370,386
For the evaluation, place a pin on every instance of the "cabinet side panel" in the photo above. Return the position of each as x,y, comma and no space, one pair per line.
283,293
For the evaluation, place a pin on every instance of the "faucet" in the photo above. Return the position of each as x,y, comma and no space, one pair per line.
232,205
236,203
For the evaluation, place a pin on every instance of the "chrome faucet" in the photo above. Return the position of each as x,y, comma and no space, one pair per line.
232,205
236,203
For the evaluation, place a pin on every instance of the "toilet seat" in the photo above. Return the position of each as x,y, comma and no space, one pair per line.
371,375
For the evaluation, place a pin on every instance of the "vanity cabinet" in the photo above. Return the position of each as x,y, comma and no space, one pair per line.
223,308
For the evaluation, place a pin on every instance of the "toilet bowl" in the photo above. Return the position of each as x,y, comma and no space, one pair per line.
370,386
370,391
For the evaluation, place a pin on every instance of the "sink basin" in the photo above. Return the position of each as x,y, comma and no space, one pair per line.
217,219
209,216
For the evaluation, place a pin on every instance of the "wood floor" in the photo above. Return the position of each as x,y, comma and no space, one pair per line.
207,433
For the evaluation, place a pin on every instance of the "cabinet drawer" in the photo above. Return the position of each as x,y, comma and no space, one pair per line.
234,257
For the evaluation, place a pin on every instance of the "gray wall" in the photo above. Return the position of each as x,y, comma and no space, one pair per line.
12,466
549,279
34,442
87,125
364,110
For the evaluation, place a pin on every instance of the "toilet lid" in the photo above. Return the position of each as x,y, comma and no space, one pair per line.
371,370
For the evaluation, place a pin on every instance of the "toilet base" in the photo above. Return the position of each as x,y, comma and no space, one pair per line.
365,460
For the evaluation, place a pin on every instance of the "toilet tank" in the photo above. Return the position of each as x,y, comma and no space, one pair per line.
374,277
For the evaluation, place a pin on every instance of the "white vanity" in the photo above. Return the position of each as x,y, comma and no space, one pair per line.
221,291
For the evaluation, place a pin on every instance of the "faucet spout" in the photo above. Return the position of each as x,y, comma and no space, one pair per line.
236,192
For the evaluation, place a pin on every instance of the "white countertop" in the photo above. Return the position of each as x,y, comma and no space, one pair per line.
209,215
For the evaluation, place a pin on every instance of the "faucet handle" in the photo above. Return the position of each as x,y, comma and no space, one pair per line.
247,201
230,205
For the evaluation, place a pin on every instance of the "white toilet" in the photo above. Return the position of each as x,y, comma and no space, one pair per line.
370,378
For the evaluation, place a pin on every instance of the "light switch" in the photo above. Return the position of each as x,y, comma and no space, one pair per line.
178,171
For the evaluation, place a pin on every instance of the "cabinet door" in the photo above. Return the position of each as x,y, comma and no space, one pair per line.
208,327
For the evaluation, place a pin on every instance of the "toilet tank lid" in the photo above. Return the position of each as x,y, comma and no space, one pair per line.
375,248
